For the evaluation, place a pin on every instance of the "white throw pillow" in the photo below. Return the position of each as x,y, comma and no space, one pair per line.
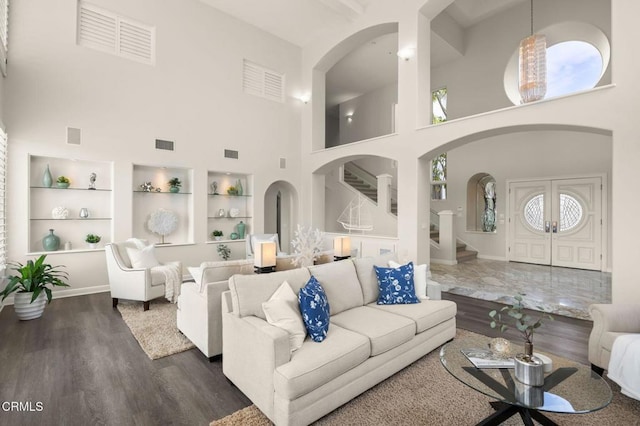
144,257
420,273
282,310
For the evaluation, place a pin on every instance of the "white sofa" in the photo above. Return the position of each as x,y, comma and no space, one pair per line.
199,311
366,343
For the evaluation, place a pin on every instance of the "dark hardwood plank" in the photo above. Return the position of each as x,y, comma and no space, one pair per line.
564,336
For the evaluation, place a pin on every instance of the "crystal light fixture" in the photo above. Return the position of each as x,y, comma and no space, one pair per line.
532,81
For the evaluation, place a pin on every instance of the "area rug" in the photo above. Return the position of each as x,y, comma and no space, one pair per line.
155,330
424,393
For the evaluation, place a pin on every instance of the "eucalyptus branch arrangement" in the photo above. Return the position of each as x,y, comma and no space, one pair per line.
525,323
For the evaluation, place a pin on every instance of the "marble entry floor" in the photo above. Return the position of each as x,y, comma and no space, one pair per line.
562,291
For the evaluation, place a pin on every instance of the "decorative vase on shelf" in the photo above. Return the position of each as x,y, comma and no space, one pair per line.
47,179
241,228
84,213
51,242
240,189
174,189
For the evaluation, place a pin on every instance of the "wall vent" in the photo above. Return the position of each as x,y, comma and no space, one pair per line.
106,31
260,81
74,136
283,163
230,153
166,145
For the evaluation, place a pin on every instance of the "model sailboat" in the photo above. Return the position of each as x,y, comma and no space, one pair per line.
356,216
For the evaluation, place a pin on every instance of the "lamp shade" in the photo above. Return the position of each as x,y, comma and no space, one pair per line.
342,246
264,254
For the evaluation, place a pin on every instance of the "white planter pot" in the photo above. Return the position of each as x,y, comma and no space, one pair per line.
26,310
93,245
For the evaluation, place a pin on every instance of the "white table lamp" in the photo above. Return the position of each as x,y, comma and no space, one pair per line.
341,248
264,256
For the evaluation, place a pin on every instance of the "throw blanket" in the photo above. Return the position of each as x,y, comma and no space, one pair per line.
173,279
172,271
624,365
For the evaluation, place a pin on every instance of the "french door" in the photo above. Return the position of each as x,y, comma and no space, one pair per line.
556,222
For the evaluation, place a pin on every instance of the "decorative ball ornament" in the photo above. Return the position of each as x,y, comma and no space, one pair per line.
60,213
162,222
500,346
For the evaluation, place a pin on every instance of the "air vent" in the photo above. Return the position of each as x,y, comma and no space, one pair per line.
229,153
74,136
166,145
283,163
262,82
106,31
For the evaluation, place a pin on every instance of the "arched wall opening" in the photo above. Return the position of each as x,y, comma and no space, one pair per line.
481,203
520,153
331,128
281,212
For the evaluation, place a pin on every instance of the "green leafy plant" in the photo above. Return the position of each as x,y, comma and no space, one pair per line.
217,233
223,251
232,190
35,277
524,323
175,182
93,239
63,179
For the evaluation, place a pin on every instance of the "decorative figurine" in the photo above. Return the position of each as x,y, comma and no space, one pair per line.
214,187
92,181
146,187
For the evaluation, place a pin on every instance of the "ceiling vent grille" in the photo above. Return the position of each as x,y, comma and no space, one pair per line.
262,82
103,30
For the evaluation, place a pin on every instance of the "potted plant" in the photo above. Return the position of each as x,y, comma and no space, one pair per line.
217,235
30,284
174,185
224,251
93,240
63,182
528,368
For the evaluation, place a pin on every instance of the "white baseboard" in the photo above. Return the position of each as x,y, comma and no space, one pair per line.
500,258
444,262
71,292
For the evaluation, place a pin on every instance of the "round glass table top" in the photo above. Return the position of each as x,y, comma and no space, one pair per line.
569,388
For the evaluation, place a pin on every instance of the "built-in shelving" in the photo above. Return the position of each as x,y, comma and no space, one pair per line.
145,203
221,203
43,200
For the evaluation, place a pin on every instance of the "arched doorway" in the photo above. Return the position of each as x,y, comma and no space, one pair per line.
281,212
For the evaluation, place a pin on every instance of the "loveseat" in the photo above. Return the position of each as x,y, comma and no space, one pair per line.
199,312
365,344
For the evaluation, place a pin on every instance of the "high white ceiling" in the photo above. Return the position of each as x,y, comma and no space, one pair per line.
372,65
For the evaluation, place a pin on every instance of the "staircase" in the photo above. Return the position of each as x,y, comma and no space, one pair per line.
462,254
366,189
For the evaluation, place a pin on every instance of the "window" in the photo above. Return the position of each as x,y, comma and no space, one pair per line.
259,81
106,31
4,32
439,177
572,66
439,107
3,200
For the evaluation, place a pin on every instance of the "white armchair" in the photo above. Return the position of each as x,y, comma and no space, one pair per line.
609,322
253,238
127,282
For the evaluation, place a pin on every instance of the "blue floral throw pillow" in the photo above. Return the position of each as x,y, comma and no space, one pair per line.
314,307
396,285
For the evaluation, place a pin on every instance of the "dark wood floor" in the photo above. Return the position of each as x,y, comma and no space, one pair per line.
82,363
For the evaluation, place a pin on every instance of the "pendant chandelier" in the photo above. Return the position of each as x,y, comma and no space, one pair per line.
532,55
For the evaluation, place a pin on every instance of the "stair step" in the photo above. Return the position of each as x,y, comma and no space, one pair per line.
461,247
466,255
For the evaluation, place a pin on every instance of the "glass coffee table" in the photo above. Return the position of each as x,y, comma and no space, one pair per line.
570,388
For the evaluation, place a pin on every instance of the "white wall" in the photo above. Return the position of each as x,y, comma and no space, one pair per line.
475,82
545,154
372,115
193,96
